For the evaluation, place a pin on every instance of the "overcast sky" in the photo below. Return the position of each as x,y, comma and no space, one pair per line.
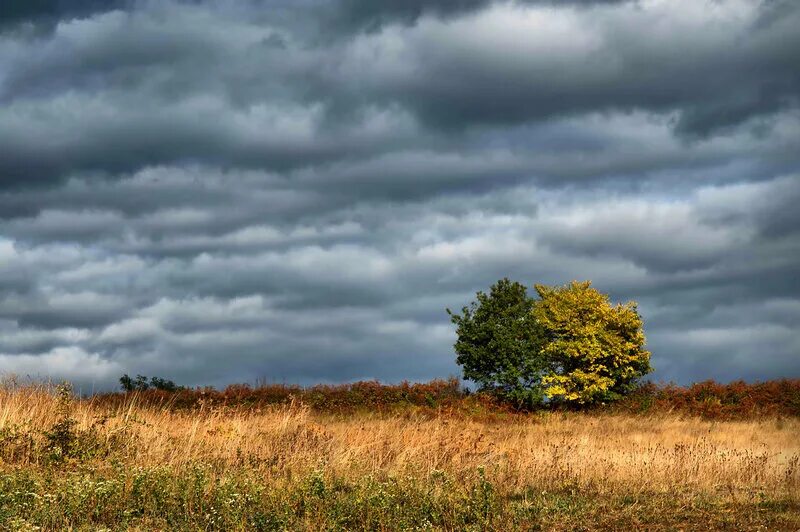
294,190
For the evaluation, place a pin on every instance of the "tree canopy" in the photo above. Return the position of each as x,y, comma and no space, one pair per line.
571,344
497,337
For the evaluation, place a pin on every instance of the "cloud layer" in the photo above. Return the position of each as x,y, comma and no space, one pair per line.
222,191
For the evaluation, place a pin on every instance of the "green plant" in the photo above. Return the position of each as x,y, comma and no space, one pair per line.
61,437
63,440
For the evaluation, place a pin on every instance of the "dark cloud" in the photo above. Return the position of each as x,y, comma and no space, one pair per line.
50,11
184,83
463,79
220,192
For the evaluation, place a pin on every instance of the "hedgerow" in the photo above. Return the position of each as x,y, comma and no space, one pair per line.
709,399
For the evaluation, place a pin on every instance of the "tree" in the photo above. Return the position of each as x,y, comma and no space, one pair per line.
164,384
127,383
130,385
498,343
570,345
594,350
140,384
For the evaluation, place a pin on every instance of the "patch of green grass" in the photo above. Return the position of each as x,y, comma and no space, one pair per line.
196,498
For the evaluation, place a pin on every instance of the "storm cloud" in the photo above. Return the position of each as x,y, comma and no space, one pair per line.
223,191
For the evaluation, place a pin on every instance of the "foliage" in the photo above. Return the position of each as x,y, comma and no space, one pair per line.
63,440
713,400
373,396
140,384
163,384
594,350
60,439
570,345
710,400
499,342
129,385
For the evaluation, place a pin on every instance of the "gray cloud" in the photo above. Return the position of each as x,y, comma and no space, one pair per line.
717,69
216,192
372,15
175,83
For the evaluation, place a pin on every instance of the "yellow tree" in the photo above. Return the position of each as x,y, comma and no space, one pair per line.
595,350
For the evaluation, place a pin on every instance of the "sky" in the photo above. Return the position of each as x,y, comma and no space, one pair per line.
221,191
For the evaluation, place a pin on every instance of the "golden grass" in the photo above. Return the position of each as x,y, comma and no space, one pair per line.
606,453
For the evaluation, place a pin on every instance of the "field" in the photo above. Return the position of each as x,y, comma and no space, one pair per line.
420,457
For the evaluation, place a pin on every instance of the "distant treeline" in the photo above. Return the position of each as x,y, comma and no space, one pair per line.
707,399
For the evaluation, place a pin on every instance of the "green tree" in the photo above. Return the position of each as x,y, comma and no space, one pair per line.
570,345
498,344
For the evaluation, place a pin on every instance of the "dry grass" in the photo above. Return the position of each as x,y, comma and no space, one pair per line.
603,451
734,462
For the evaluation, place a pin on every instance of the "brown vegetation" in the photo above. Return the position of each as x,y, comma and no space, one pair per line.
603,451
710,400
660,459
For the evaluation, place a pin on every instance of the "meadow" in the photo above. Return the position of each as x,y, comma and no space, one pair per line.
410,457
